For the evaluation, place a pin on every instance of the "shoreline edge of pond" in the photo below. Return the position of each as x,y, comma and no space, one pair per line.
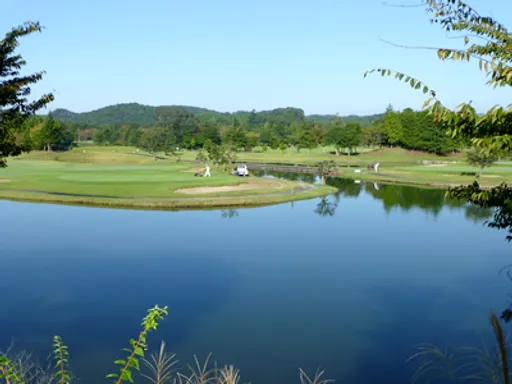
301,191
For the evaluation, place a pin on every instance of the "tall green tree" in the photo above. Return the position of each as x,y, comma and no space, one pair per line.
51,133
274,142
393,130
319,132
236,137
372,135
14,91
112,134
351,136
210,131
153,141
434,136
307,140
334,135
410,129
177,121
99,137
252,120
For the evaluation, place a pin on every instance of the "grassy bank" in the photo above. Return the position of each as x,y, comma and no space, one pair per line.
435,175
361,156
111,178
125,177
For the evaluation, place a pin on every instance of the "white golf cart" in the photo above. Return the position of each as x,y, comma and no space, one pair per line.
241,170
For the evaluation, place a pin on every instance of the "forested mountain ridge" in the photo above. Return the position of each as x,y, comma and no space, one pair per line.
165,127
145,115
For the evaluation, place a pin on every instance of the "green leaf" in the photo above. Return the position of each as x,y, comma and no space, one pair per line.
127,376
112,375
135,364
120,362
425,89
139,351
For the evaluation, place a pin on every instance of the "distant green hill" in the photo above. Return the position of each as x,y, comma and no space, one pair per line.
111,115
144,115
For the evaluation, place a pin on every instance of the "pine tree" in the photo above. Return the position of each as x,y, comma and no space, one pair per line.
15,108
393,128
51,133
410,126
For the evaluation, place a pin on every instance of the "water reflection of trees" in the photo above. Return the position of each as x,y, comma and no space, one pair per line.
406,198
393,196
310,178
346,187
229,213
327,206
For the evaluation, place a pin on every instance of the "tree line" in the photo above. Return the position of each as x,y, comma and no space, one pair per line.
38,133
280,129
177,127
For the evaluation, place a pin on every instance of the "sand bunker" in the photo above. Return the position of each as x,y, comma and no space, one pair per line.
4,180
229,188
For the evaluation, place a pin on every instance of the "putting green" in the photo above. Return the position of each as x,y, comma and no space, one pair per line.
156,183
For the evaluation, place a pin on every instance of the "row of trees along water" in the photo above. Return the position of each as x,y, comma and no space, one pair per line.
278,129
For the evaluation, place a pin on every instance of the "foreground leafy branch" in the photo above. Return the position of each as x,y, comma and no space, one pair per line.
21,370
149,323
60,353
8,371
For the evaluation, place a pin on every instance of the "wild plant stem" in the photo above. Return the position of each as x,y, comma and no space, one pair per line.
141,335
4,372
61,356
502,345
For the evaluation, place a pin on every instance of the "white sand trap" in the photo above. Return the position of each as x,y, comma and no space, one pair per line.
229,188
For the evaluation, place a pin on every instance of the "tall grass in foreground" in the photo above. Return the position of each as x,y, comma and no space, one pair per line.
160,368
435,365
465,364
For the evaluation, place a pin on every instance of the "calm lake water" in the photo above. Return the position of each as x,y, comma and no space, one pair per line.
350,283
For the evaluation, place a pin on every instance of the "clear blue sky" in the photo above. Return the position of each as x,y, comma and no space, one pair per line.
230,55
